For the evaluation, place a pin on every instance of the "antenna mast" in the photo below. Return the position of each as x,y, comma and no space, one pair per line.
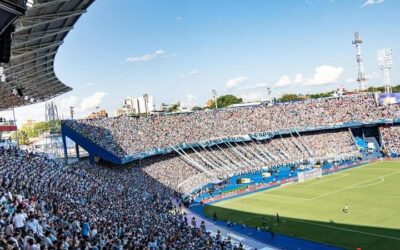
360,65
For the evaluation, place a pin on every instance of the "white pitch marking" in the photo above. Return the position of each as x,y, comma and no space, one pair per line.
333,178
345,229
351,186
370,185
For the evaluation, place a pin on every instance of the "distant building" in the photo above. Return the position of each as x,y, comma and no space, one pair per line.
118,112
29,124
136,105
210,103
165,107
100,114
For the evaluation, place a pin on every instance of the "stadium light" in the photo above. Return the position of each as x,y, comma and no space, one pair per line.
385,63
214,92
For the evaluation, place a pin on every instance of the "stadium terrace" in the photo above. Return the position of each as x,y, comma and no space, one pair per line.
133,138
48,203
317,174
210,146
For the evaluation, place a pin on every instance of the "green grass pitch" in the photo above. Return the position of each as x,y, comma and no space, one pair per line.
313,209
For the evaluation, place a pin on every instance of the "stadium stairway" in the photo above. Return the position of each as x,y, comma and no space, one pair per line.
92,148
377,153
373,140
361,143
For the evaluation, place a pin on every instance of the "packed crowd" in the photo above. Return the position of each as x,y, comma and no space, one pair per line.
196,167
47,205
391,139
128,135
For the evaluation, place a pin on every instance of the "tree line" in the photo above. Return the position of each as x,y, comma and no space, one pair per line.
35,130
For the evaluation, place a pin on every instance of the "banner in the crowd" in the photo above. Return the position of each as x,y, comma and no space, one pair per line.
389,98
265,175
243,180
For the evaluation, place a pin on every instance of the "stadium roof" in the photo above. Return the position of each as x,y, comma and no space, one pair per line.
35,42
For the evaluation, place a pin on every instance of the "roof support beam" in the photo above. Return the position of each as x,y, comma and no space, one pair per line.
27,76
35,43
39,37
54,85
47,4
32,67
33,87
24,62
26,49
29,22
35,77
49,46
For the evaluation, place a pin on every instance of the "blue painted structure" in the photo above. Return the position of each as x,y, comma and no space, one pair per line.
92,148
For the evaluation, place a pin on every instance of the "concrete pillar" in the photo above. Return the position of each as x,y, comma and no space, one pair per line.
77,151
65,148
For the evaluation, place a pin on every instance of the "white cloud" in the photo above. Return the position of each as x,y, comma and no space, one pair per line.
71,101
179,18
284,81
82,106
147,57
255,86
252,96
231,83
190,101
299,78
34,112
191,73
350,80
325,74
64,106
89,84
373,76
92,102
372,2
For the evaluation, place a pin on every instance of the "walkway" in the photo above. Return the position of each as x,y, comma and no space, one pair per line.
254,239
247,242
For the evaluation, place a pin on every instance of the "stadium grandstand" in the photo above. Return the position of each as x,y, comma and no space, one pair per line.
312,174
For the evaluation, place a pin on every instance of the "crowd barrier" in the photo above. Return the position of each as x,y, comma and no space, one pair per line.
249,189
264,186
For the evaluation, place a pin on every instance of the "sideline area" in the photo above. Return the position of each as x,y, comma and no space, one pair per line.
213,227
251,237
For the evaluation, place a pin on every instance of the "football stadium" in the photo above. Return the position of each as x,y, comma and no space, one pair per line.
313,171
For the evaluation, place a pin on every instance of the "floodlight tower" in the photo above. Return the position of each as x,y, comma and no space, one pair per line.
360,65
51,112
269,94
214,92
385,62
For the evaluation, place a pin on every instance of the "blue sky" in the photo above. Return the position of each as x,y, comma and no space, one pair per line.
179,50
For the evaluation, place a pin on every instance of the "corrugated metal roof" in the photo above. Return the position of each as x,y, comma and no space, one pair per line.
35,42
